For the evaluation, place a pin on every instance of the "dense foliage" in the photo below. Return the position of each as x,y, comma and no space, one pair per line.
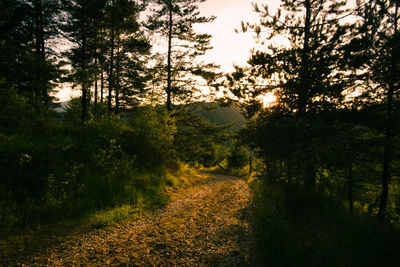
331,136
296,226
63,169
114,145
238,156
334,125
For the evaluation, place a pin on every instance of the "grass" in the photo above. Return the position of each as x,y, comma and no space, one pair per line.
222,168
144,197
296,227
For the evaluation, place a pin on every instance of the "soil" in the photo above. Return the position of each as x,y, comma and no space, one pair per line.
204,225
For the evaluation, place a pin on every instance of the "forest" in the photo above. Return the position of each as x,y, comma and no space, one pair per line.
324,153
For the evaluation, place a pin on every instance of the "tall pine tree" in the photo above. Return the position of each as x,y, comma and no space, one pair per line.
173,20
304,74
127,49
375,49
26,60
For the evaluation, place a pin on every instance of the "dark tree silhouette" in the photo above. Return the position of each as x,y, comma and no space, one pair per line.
173,20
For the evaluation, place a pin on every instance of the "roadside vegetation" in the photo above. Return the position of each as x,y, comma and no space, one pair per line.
329,192
58,169
115,150
322,158
297,227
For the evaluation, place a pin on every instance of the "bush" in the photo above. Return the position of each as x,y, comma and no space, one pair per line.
148,137
238,156
13,110
72,169
298,227
197,140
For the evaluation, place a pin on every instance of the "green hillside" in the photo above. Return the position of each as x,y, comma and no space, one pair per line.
212,112
220,115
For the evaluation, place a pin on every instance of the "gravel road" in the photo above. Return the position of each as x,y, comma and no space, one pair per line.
204,225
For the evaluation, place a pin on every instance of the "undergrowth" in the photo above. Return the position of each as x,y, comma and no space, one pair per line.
60,176
154,194
297,227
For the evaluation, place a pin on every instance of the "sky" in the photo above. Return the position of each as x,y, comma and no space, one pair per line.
230,47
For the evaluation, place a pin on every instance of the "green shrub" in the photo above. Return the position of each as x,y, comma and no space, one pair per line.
197,140
13,110
149,137
238,156
297,227
71,169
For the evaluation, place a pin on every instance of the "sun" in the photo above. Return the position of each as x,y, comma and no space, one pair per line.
268,99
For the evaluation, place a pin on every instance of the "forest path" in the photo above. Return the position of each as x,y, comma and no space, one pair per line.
204,225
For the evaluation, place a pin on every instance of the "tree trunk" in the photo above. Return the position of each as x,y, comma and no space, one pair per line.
101,59
169,78
41,90
305,62
250,165
83,63
387,153
110,74
39,29
303,92
102,79
96,85
117,83
387,156
310,175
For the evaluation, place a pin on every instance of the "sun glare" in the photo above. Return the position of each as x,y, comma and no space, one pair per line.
268,99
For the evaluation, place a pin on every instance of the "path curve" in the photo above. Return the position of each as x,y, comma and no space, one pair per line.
206,225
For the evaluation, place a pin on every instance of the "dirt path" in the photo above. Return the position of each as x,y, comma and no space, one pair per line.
205,225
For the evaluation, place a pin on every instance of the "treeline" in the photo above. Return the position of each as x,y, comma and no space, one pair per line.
335,73
123,140
103,48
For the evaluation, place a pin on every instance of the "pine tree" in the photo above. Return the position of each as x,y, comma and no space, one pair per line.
132,71
128,45
26,60
173,20
375,51
304,73
81,28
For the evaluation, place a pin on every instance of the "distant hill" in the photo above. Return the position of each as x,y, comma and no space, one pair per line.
220,115
212,112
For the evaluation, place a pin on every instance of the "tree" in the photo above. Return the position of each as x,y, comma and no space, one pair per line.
376,47
26,61
128,45
196,137
303,73
132,71
238,156
13,112
81,28
173,20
